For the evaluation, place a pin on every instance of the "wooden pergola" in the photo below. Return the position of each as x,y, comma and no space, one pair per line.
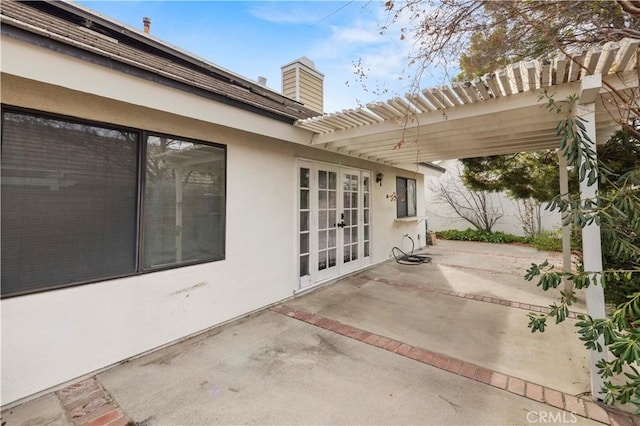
500,113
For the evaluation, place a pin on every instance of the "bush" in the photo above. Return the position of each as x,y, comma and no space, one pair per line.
482,236
547,241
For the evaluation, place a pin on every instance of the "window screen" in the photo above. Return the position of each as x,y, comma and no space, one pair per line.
406,197
68,202
183,202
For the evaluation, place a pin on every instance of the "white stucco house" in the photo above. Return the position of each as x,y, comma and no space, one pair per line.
148,195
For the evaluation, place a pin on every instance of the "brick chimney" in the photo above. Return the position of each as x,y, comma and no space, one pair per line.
147,24
303,83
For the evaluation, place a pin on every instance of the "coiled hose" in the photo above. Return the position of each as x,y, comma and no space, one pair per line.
409,259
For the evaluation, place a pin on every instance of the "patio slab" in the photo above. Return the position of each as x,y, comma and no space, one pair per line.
44,411
272,369
438,343
486,334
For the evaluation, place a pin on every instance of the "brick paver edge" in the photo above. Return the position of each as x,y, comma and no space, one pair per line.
88,403
469,296
564,401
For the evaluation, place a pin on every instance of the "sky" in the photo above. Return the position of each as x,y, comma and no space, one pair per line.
256,38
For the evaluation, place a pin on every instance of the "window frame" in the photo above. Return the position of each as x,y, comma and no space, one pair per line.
138,236
405,197
141,195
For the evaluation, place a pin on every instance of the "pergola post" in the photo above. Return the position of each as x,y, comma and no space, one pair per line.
591,241
566,229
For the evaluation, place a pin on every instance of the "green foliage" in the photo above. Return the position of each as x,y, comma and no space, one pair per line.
523,175
547,241
616,208
480,235
486,53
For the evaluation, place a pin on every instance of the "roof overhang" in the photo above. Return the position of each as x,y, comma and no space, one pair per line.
499,114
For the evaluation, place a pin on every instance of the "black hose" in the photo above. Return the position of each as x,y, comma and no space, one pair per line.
409,259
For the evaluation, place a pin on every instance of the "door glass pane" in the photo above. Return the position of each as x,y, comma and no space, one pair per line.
366,200
332,181
354,200
366,249
354,252
304,265
332,199
332,257
322,240
347,236
322,199
354,217
347,201
304,198
354,234
332,218
304,178
304,221
332,238
366,232
322,260
304,243
322,179
365,183
322,219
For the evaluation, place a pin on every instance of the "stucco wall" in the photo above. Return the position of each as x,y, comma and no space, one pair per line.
441,216
55,336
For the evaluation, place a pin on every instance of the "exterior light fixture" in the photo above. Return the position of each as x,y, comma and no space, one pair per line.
379,178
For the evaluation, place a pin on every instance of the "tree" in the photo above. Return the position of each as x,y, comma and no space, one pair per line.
479,208
490,34
617,210
531,178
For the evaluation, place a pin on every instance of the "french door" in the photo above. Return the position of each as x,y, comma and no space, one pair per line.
333,221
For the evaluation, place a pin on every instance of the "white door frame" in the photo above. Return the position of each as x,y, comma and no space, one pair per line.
320,247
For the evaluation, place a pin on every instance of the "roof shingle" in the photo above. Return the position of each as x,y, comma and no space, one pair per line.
135,49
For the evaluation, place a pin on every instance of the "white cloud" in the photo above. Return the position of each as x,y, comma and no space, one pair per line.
354,35
287,13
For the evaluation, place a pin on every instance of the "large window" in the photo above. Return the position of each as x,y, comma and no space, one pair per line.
71,209
406,197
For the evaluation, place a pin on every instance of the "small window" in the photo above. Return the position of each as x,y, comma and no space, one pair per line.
406,197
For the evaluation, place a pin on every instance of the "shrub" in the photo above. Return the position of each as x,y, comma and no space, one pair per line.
547,241
482,236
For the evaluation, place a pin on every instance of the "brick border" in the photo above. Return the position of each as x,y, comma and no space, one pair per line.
469,296
580,406
87,403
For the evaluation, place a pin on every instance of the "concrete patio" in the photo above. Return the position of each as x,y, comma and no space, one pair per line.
439,343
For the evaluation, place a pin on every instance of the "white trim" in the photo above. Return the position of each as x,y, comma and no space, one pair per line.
316,277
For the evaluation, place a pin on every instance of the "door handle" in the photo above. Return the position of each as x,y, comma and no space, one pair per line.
341,225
